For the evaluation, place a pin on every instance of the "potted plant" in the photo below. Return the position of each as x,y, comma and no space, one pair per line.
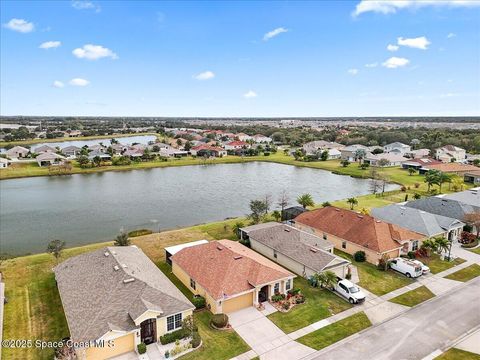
167,354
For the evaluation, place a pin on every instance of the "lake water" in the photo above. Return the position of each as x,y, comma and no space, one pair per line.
88,208
127,140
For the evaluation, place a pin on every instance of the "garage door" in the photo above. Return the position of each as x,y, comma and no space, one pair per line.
237,303
123,344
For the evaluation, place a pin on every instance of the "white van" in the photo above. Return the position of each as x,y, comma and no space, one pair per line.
407,267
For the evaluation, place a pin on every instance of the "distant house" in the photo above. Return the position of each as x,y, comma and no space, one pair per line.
470,197
208,150
229,275
300,252
17,152
420,164
71,151
243,137
97,147
118,294
349,152
352,232
385,159
235,145
259,138
44,148
397,148
4,163
418,154
49,158
73,133
472,177
451,168
420,221
292,212
450,153
172,152
100,154
314,147
133,153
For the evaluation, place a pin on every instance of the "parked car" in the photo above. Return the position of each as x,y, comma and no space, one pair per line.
349,291
425,268
407,267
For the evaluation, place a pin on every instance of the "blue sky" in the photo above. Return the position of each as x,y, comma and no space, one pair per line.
228,59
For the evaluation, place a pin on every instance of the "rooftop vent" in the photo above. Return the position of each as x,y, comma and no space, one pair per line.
313,250
238,257
124,265
106,254
219,247
360,216
378,221
337,209
287,229
116,268
114,252
126,281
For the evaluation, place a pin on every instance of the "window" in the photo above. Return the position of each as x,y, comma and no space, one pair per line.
276,288
192,284
174,322
288,284
415,245
274,254
344,244
324,236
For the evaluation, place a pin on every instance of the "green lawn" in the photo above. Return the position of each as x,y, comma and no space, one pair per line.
319,304
376,281
337,331
217,344
465,274
414,297
437,265
456,354
476,251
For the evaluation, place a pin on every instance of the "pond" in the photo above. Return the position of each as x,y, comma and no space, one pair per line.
88,208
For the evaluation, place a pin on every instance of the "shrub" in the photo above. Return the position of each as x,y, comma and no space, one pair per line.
196,340
286,305
266,154
139,232
294,291
278,297
417,185
467,238
174,336
300,299
403,188
142,348
348,276
199,302
411,254
220,320
360,256
468,228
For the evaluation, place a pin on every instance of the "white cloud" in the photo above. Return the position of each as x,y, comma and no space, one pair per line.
250,94
86,5
395,62
451,35
417,43
79,82
353,71
94,52
391,47
20,25
50,44
206,75
273,33
371,65
392,6
58,84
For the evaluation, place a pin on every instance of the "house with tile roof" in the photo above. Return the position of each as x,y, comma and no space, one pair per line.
237,144
229,275
452,168
303,253
17,152
119,296
385,159
450,153
350,232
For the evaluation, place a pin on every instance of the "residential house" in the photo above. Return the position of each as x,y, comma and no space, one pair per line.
352,232
97,147
260,139
450,168
172,152
314,147
71,151
17,152
385,159
208,150
418,154
133,153
397,148
119,148
292,212
117,294
4,163
229,275
470,196
243,137
49,158
422,222
73,133
100,154
472,177
303,253
236,145
350,152
172,250
450,153
471,158
44,148
420,164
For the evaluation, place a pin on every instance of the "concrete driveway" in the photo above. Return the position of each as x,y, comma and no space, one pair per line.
264,337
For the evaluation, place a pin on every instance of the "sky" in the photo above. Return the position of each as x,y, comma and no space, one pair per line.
250,58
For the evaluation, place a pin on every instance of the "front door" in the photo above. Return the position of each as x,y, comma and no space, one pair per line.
263,294
147,331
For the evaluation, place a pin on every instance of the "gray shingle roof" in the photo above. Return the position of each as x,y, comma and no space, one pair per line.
470,197
96,298
305,248
416,220
445,207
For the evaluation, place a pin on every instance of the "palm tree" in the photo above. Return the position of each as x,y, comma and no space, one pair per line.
442,245
122,239
305,200
236,228
326,279
411,171
443,178
352,201
429,246
432,177
276,215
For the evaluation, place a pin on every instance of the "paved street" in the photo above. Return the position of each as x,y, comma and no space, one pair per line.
416,333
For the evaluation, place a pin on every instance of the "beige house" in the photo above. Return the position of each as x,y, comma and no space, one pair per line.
450,153
303,253
17,152
351,232
229,275
116,298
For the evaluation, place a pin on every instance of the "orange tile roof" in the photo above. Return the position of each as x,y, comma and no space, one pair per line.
225,268
362,230
452,167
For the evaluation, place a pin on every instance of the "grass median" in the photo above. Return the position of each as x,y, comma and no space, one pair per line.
465,274
413,297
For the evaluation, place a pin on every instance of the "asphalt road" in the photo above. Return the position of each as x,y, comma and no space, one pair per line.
416,333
